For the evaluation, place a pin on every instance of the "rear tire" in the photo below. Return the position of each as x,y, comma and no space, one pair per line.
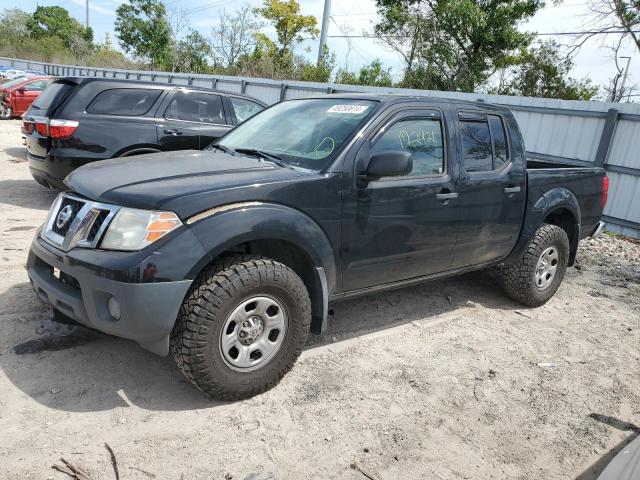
535,278
237,307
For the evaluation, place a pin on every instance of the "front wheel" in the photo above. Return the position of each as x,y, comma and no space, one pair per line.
241,327
534,279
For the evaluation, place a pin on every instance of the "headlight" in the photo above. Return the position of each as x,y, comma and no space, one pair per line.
133,229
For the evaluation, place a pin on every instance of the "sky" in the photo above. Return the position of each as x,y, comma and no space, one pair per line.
355,17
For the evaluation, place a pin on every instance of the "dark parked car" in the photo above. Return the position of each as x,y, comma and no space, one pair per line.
226,258
80,120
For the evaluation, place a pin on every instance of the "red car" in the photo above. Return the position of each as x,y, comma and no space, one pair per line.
17,95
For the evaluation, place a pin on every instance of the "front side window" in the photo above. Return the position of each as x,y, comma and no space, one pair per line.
244,108
196,107
124,101
38,85
302,133
484,143
422,137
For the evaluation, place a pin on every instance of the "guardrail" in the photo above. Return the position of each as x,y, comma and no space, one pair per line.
566,131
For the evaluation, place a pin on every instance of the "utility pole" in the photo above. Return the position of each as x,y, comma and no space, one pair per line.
624,79
325,26
86,24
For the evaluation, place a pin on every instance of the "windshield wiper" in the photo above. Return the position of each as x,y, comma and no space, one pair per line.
266,156
222,148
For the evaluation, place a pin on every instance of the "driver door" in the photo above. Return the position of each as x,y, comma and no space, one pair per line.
398,228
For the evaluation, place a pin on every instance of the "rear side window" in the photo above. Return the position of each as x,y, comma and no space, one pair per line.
244,108
484,143
422,137
52,96
124,101
196,107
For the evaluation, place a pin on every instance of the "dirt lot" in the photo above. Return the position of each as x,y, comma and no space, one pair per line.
439,381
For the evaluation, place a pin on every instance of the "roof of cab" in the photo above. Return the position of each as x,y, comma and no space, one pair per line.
392,98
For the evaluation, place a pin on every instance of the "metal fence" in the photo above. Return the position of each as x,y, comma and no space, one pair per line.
575,132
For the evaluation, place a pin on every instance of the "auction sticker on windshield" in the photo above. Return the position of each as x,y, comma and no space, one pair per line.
355,109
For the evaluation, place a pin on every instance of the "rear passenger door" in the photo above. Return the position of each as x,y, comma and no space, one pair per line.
179,124
214,120
491,190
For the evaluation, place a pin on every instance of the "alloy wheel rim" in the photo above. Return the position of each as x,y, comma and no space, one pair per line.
253,333
546,267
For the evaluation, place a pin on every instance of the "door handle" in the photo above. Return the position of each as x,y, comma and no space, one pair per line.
173,132
446,196
511,189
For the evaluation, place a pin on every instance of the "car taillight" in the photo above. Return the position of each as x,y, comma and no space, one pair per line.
61,129
42,127
605,191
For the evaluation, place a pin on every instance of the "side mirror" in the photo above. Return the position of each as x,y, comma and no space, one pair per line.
21,89
392,163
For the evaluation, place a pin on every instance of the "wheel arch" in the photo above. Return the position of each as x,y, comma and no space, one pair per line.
137,150
558,206
280,233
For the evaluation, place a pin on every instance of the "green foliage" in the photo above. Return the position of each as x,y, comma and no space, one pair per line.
143,30
543,72
311,72
453,44
289,23
56,22
373,74
191,53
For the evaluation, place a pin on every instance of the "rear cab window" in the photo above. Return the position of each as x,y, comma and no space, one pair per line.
484,142
124,101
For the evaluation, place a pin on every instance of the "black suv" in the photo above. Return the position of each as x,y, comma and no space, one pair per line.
81,120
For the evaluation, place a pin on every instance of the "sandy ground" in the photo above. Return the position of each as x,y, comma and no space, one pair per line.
439,381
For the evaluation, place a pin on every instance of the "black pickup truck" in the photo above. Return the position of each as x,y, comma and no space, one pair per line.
228,257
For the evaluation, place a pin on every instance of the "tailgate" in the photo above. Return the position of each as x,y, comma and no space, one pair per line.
37,141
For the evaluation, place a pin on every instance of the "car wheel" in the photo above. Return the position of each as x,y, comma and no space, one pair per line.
534,279
6,113
241,327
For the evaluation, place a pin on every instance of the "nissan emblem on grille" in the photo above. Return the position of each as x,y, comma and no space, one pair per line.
64,216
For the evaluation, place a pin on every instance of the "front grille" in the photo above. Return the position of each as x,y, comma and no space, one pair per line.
75,205
97,223
82,222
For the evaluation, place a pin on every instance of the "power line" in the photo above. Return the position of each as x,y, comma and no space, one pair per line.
586,32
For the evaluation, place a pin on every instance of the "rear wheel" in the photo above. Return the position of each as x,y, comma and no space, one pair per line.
534,279
241,327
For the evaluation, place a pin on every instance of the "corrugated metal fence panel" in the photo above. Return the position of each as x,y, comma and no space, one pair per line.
625,150
562,130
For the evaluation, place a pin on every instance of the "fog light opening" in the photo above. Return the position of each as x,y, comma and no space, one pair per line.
114,308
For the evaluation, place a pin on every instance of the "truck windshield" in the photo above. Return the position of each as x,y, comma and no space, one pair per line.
301,133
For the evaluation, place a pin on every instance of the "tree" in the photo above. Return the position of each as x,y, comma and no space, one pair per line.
453,44
233,36
617,16
285,16
373,74
143,30
14,24
56,22
192,53
542,71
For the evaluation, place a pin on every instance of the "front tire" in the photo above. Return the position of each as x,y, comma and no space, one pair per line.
241,327
534,279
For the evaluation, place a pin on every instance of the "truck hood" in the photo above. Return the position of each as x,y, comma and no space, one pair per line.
157,180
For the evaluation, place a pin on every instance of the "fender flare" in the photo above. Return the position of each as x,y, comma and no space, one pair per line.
553,200
137,151
222,228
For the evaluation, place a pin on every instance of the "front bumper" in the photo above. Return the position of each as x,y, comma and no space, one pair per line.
148,310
